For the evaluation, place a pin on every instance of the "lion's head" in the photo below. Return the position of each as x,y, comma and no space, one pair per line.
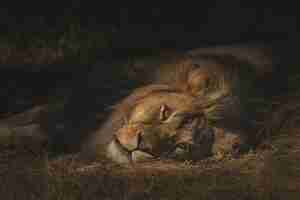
170,120
169,116
163,124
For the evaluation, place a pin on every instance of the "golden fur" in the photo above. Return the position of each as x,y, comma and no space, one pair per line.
215,85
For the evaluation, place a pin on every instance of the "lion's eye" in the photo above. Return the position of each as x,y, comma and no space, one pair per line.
188,122
164,113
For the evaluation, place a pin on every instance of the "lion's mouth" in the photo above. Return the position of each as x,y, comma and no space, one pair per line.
120,154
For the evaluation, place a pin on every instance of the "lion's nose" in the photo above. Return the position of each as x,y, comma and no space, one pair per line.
129,138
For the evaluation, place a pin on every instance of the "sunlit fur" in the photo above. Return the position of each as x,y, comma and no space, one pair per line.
221,81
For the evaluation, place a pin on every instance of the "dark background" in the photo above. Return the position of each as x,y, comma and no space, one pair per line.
131,28
169,24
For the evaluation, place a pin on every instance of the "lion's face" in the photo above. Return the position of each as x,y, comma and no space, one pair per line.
167,125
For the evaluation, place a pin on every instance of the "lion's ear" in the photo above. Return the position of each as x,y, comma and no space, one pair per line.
164,112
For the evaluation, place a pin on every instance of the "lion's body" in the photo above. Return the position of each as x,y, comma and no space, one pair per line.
218,82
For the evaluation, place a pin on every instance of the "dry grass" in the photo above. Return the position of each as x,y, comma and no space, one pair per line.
23,164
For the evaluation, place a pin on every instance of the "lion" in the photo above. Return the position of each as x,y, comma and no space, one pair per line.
195,106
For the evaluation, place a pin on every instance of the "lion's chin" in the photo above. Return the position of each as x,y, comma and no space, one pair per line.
118,154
